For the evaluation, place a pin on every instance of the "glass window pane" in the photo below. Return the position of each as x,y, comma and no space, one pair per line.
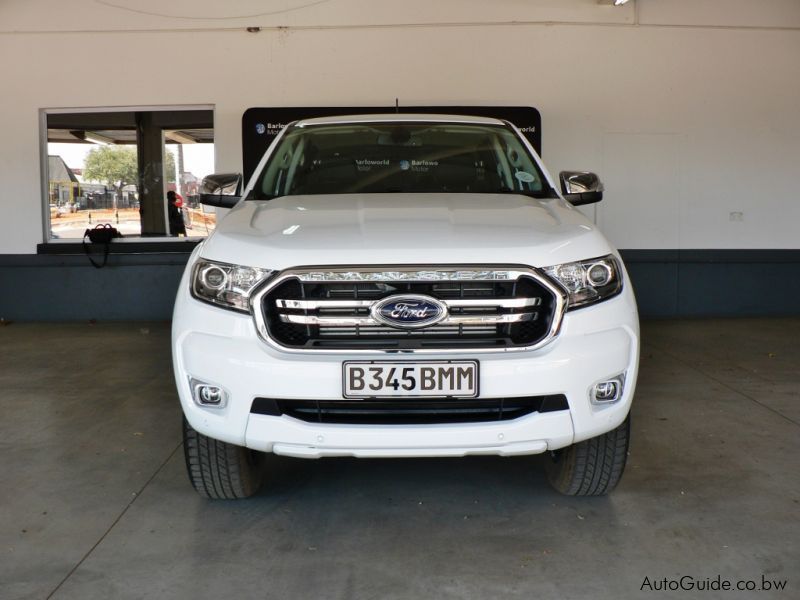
125,169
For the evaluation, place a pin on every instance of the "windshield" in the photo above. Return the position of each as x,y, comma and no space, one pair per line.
400,157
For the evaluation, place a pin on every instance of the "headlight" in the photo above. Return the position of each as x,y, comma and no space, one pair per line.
226,285
588,281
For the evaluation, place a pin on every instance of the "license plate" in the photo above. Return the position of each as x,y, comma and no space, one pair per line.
380,379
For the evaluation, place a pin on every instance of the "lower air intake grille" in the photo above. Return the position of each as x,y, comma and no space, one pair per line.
392,411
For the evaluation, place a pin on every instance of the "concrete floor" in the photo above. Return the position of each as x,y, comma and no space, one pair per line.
95,502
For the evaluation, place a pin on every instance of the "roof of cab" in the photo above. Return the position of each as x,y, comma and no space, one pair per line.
399,118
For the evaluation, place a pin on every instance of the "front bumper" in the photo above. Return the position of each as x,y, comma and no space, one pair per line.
223,348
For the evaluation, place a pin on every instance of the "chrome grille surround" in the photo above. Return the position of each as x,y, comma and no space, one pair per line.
458,274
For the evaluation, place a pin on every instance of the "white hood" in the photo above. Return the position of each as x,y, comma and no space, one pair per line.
433,229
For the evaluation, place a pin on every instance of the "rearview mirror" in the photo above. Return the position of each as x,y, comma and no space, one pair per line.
222,189
581,187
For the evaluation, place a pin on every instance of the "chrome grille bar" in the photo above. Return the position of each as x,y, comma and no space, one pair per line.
370,322
452,303
317,304
383,331
409,275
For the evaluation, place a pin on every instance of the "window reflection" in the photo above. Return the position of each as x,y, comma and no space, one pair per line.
119,167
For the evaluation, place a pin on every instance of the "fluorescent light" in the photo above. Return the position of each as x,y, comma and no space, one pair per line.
613,2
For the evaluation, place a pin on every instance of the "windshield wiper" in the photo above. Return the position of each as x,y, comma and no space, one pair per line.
542,195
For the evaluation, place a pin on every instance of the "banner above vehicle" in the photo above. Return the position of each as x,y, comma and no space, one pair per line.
260,125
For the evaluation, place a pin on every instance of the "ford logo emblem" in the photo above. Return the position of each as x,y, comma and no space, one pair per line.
409,311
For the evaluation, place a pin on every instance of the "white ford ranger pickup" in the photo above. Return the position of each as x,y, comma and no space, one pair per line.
404,286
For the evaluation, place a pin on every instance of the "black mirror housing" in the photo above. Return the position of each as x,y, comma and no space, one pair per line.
583,198
581,187
221,189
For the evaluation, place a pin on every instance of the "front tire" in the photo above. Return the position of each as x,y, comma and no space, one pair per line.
592,467
218,470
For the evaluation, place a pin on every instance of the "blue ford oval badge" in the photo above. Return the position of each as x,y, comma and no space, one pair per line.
409,311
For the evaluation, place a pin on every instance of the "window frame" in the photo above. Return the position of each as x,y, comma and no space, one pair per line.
151,243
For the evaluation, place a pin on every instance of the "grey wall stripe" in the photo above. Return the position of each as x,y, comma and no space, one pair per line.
668,283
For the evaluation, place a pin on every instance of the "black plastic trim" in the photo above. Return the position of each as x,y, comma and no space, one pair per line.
407,411
265,406
583,198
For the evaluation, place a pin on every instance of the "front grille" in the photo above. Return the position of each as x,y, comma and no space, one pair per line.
399,411
487,309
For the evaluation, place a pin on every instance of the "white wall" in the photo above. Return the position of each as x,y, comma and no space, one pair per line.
689,109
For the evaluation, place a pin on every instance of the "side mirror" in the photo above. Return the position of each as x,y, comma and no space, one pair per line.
581,187
223,190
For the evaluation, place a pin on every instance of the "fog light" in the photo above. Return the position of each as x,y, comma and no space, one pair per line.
209,395
609,390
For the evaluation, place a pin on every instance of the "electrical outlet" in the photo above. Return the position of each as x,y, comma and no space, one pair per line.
737,216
